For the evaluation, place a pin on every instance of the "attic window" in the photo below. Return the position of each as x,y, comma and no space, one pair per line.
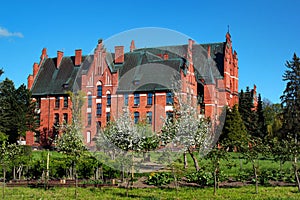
65,86
136,82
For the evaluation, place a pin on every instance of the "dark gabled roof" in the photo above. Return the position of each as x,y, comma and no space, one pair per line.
144,71
84,68
51,80
206,68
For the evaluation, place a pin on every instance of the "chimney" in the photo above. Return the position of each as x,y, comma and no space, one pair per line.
166,56
29,81
132,46
78,56
191,42
60,55
44,54
208,51
35,69
119,54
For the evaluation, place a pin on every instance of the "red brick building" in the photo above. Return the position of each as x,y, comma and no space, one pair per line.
140,79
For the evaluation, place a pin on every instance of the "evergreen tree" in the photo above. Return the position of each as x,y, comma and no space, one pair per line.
261,127
234,131
290,101
248,113
17,111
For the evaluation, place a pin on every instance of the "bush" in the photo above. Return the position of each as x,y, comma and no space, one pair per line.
159,179
201,177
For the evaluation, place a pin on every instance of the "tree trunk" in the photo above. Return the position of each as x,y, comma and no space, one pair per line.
296,173
255,176
76,184
215,181
185,160
14,172
3,187
194,159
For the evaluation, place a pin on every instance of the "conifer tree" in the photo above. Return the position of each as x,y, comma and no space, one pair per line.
290,101
234,131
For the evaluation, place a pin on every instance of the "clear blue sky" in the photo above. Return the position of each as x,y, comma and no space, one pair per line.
265,33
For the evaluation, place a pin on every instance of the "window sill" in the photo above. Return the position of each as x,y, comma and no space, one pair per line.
148,105
136,106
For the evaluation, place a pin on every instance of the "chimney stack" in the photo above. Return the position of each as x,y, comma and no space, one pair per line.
35,69
78,57
208,51
60,55
132,46
30,80
119,54
44,54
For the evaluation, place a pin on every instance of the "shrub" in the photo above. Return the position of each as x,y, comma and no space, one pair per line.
159,179
201,177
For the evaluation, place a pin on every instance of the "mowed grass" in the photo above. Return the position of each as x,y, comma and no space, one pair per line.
247,192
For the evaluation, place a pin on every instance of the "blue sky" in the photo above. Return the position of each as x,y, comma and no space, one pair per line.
265,33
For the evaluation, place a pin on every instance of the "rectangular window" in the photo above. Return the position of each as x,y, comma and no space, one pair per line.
57,102
88,137
99,109
38,103
89,101
136,99
89,119
56,119
65,117
149,98
149,117
66,103
169,116
108,103
107,117
169,98
37,137
99,91
125,99
136,117
38,119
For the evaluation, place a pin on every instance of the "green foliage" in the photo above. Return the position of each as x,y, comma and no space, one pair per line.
202,177
71,141
17,114
234,132
290,101
273,119
159,179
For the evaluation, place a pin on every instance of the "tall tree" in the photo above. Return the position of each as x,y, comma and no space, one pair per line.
290,101
17,111
186,129
261,126
273,119
247,111
234,131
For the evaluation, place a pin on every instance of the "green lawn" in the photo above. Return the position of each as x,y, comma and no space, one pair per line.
247,193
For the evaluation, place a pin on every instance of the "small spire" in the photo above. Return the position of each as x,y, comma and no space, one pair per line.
227,28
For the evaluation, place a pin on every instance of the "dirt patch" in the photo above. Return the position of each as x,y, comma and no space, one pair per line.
140,183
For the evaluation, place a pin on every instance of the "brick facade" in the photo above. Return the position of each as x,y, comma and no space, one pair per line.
99,76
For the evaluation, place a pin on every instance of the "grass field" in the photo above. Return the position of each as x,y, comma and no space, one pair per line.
268,193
